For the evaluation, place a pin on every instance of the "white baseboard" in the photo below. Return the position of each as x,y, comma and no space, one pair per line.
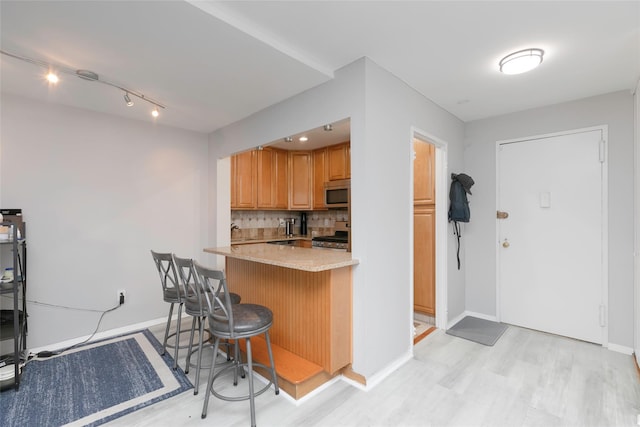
620,349
377,378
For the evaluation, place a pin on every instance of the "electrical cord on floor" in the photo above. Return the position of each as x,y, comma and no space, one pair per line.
47,353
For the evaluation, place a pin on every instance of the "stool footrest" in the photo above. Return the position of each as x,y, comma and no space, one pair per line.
243,397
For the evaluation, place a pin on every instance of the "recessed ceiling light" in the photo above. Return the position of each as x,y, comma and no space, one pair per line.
328,128
288,139
521,61
303,139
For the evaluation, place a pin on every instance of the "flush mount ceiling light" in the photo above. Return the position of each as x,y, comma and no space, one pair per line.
521,61
89,76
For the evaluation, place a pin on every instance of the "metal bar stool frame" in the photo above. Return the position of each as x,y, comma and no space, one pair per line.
173,293
195,305
235,322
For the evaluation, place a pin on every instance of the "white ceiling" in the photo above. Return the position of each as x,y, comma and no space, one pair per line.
213,63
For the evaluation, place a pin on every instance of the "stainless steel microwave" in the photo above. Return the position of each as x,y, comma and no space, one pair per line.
337,194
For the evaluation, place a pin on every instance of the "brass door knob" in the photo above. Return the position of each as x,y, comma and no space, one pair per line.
505,244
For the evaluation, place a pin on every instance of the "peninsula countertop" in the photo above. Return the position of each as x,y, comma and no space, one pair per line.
297,258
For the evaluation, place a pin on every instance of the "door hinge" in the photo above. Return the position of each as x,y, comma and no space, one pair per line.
603,316
602,150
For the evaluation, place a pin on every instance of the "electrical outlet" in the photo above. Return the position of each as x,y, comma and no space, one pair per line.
121,295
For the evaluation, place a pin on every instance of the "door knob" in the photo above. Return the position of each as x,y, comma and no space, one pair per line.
505,244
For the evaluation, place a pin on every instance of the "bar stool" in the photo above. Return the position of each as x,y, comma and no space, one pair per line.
195,305
173,294
239,321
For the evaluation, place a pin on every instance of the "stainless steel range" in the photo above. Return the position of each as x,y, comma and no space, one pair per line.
339,240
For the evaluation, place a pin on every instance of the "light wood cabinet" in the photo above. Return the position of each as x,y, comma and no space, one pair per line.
272,178
339,159
424,290
300,179
423,167
320,176
424,278
243,180
272,192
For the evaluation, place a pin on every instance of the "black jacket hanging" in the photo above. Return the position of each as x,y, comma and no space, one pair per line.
459,204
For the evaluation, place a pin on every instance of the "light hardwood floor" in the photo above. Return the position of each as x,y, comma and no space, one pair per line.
527,378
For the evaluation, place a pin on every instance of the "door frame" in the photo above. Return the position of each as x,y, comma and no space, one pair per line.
441,262
604,279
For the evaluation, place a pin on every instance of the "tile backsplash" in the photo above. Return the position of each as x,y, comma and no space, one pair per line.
267,224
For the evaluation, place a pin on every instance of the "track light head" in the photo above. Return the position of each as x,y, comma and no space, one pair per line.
128,100
155,112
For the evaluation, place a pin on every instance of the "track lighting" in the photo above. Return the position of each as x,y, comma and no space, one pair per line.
89,76
128,100
52,77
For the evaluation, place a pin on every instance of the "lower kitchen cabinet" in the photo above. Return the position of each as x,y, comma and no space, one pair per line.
424,278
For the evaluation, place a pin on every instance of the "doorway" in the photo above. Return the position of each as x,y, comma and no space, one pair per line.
552,253
429,224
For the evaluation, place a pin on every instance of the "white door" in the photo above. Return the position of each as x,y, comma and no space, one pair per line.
551,259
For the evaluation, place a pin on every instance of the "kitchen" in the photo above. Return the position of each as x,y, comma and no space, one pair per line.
290,251
295,190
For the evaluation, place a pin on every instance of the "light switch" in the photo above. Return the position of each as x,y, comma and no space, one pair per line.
545,199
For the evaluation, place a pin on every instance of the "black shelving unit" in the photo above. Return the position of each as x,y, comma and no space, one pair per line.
13,324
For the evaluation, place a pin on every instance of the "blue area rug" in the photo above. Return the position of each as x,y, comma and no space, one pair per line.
93,384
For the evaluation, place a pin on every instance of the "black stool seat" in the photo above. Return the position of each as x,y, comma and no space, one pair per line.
249,319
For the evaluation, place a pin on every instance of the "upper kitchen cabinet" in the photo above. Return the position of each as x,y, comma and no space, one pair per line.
300,179
320,176
244,180
339,158
272,173
423,182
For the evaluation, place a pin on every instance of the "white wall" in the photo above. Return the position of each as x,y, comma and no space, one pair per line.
615,110
637,223
382,110
98,192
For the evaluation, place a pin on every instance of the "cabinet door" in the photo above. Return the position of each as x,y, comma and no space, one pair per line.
265,184
271,176
423,173
243,178
320,176
281,176
424,277
300,180
337,157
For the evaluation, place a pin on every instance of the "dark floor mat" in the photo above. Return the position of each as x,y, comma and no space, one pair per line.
477,330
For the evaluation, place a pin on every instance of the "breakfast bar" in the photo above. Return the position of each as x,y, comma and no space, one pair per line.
309,292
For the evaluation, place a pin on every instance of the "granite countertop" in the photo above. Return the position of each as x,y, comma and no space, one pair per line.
249,240
307,259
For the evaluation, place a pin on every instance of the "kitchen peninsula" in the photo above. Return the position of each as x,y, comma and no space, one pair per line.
309,292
